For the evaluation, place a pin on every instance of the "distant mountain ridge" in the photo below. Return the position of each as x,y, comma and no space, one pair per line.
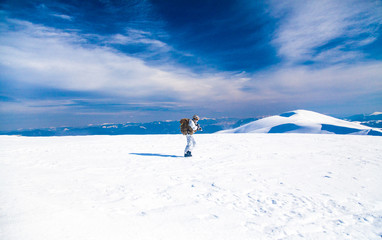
371,120
157,127
303,121
298,121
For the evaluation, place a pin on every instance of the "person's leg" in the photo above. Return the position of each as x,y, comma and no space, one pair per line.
193,142
188,146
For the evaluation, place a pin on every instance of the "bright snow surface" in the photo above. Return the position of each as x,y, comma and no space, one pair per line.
303,121
237,186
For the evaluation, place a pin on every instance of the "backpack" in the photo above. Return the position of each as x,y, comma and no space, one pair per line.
185,127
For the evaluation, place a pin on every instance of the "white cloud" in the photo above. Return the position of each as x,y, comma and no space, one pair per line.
48,57
306,25
133,36
307,85
52,58
62,16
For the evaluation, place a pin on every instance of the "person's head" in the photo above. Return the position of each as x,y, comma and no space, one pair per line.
195,118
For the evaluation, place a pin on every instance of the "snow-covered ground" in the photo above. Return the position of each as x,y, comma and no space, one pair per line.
237,186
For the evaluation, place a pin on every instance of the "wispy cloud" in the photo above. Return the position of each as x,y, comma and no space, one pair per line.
307,85
62,16
48,57
323,30
51,58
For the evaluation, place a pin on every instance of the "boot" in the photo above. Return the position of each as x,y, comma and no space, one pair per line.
188,154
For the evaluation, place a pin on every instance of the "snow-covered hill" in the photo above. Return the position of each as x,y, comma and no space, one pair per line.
303,121
237,186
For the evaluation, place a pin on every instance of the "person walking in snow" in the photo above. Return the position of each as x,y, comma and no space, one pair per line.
188,127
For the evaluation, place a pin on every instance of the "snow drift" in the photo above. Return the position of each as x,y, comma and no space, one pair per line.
303,121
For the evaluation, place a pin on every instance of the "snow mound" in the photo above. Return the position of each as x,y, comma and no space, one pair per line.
303,121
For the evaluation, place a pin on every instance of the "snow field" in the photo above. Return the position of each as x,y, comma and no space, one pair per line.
237,186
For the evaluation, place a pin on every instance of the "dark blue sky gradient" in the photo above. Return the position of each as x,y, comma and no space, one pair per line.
223,34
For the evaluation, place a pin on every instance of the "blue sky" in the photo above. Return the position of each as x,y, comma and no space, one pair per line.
73,63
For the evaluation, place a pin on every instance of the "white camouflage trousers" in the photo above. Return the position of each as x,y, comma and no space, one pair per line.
190,143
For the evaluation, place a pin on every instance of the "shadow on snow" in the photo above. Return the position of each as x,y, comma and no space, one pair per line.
155,155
